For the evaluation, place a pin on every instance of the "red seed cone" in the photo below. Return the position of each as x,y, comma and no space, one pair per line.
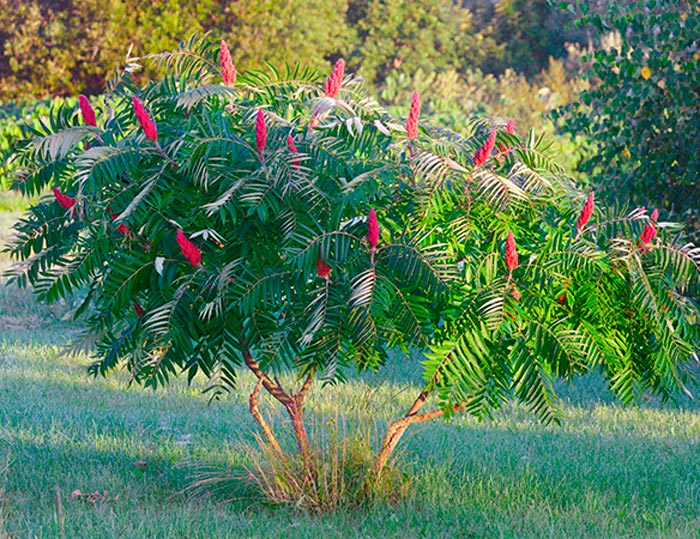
511,252
260,131
336,77
149,128
64,201
647,236
138,309
561,299
122,228
654,219
516,293
86,111
292,148
372,229
189,250
510,127
586,213
228,71
322,268
413,114
482,154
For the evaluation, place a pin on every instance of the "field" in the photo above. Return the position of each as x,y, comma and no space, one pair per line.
606,472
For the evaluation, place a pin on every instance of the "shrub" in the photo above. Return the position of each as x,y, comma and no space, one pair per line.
287,224
640,113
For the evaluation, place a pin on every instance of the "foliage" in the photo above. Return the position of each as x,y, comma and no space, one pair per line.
640,112
228,226
13,121
65,47
396,36
527,34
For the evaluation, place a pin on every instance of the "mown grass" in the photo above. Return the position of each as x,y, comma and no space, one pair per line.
606,472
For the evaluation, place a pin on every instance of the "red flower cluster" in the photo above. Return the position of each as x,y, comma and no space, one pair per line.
655,215
333,83
292,148
64,201
586,213
322,268
510,127
649,233
228,71
86,110
413,114
511,252
189,250
372,229
483,153
149,128
516,293
122,228
260,131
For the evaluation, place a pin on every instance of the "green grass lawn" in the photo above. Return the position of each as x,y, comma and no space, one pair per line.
606,472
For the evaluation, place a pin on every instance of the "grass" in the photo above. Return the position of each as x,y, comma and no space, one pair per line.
606,472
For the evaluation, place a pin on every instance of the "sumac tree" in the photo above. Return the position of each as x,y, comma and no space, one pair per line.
286,223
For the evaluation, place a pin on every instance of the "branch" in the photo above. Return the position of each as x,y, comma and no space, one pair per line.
273,388
306,386
255,412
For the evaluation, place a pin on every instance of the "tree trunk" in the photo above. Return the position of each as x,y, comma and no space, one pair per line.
395,430
296,414
292,402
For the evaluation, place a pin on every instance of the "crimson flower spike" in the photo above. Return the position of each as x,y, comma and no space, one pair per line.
413,114
372,229
511,254
654,219
260,131
188,249
122,228
86,111
482,154
149,128
292,148
510,126
322,268
586,213
336,77
228,71
64,201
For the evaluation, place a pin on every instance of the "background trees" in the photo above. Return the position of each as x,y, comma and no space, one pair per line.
641,111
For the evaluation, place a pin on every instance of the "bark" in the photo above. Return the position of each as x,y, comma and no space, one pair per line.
293,403
396,429
255,411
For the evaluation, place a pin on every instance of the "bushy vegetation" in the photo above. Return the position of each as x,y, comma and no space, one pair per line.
640,111
283,223
66,47
14,123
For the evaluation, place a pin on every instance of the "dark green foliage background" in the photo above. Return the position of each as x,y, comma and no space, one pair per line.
643,125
